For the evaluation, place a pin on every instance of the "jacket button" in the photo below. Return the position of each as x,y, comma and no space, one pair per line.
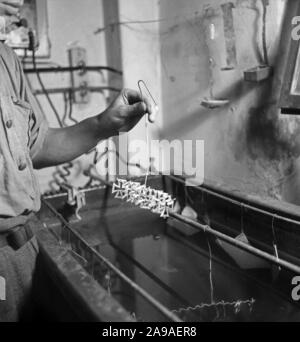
22,166
15,100
9,123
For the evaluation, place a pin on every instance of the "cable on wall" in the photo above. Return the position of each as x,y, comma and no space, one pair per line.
32,48
265,4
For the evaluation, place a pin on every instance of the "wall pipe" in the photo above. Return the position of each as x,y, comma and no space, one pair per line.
67,90
81,68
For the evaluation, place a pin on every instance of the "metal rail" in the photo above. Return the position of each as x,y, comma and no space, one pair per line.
161,308
238,203
223,197
232,268
237,243
67,90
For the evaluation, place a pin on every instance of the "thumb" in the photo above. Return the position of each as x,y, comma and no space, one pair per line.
137,109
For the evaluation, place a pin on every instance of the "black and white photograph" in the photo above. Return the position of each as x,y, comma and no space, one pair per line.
149,163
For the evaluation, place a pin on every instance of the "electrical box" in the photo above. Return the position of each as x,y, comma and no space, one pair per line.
33,17
79,78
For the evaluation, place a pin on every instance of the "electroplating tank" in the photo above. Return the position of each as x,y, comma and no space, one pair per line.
163,270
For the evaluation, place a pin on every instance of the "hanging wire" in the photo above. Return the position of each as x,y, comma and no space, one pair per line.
242,218
71,101
235,304
127,23
93,265
32,47
212,297
211,283
275,240
97,158
140,83
65,116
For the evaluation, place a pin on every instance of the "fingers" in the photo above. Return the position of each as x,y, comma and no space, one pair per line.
14,3
132,97
152,116
8,10
135,110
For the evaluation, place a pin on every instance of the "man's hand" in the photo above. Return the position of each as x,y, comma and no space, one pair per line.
10,7
125,112
65,144
9,15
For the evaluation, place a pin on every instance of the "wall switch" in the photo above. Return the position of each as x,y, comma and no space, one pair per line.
79,79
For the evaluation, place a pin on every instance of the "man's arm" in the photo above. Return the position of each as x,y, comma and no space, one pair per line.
65,144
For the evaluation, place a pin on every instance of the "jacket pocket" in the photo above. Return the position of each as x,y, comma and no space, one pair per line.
16,116
22,114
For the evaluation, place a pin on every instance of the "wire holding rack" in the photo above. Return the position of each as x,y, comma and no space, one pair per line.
158,202
235,305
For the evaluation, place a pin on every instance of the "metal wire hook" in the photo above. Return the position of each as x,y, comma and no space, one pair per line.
242,217
140,82
141,92
274,239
